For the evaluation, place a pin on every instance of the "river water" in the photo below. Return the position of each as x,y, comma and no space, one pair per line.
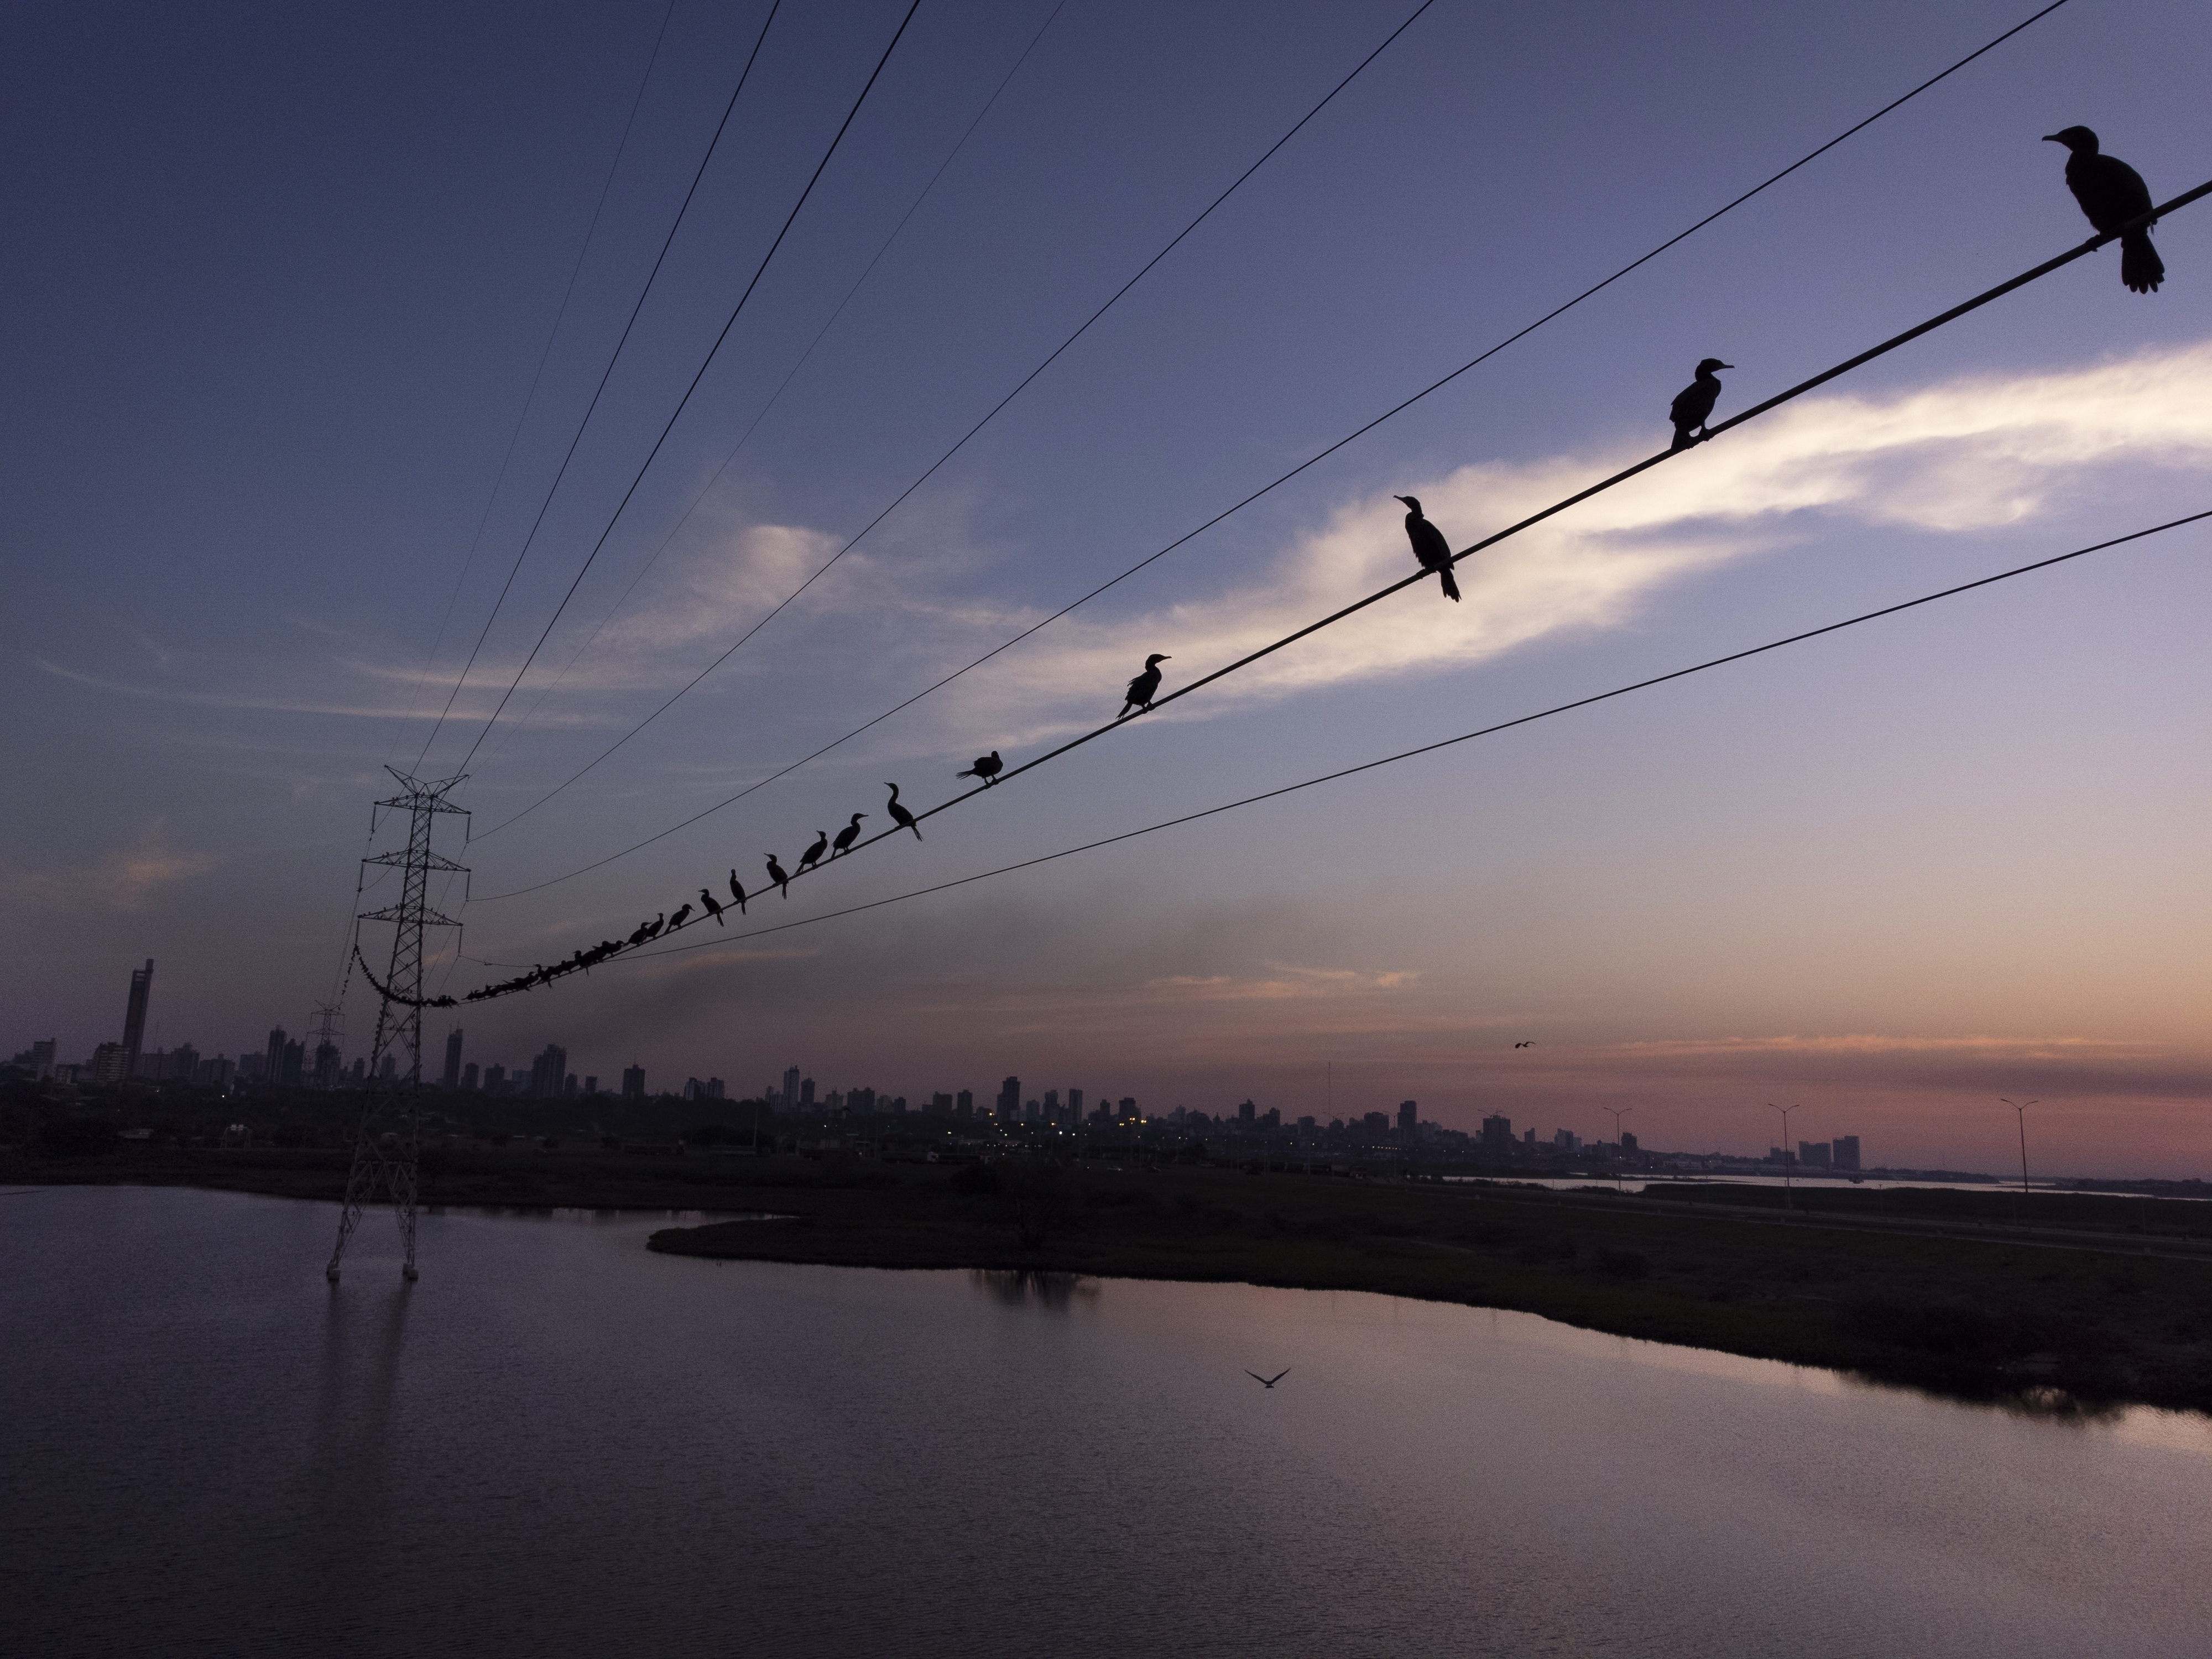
557,1442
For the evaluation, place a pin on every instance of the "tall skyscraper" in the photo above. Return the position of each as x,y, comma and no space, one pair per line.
1408,1118
453,1058
790,1097
548,1071
1847,1152
134,1015
633,1083
1010,1099
275,1071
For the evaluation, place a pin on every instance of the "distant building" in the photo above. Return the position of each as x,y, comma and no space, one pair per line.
1813,1154
788,1097
941,1104
1010,1099
111,1063
329,1064
42,1057
292,1065
1627,1142
715,1088
1408,1118
1497,1133
134,1015
1248,1114
453,1058
1847,1152
468,1077
548,1071
1566,1140
1075,1105
495,1079
1129,1106
273,1070
590,1086
634,1081
389,1072
963,1103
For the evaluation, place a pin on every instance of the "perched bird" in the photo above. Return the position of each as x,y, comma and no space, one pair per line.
658,923
1693,405
644,932
847,836
737,892
1430,546
708,902
675,922
821,845
2110,193
900,816
1144,688
1269,1382
777,874
987,768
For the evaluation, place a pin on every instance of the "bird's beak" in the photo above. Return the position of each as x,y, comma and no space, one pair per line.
1728,365
2053,138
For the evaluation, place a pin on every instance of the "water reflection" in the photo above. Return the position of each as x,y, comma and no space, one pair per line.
1028,1287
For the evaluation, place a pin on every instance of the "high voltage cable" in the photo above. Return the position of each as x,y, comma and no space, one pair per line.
560,316
781,386
1425,748
1019,388
1273,484
744,75
1621,477
705,364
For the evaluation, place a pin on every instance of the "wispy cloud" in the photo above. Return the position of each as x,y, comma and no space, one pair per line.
122,881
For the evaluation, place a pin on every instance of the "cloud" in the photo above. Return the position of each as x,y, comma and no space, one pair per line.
122,881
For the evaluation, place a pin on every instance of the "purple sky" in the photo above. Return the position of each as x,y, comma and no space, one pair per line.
278,281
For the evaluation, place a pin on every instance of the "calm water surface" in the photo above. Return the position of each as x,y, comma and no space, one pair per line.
559,1443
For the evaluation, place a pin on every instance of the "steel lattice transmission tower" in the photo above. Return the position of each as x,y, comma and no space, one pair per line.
385,1148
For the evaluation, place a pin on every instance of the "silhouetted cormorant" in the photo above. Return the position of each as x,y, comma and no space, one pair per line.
1693,405
1269,1382
1144,688
821,846
644,932
900,816
1430,546
2110,193
658,922
847,836
712,907
675,922
777,874
987,768
737,892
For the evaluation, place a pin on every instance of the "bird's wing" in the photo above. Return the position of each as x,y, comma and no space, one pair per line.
1279,1376
1256,1376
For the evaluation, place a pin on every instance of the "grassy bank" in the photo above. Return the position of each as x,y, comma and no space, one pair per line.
2061,1300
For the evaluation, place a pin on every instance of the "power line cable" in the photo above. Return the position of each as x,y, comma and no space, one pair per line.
1311,461
1376,598
538,376
784,384
1425,748
684,402
615,356
992,415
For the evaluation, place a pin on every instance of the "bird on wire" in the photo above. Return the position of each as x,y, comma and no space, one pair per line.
986,766
675,922
1144,688
737,892
779,875
1269,1382
807,860
2110,193
900,816
1693,405
1430,546
709,903
653,930
847,836
644,932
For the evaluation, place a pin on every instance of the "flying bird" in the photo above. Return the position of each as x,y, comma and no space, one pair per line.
1430,546
675,922
821,845
707,902
2111,193
777,874
847,836
1693,405
900,816
737,892
1269,1382
1529,1044
1144,688
987,768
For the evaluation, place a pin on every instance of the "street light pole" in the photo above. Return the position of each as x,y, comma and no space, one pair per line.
2020,1110
1618,1112
1788,1156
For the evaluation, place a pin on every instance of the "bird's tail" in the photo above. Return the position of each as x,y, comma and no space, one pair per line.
963,774
1451,587
917,830
1684,437
2141,268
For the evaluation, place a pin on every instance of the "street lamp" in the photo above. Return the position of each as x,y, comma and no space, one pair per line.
1618,1112
2020,1110
1788,1157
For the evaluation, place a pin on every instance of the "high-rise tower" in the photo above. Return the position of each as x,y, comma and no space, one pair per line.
134,1016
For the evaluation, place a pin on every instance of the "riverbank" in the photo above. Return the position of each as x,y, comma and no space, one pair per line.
2058,1301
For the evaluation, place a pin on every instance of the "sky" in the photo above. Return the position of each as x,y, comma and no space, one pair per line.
306,306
